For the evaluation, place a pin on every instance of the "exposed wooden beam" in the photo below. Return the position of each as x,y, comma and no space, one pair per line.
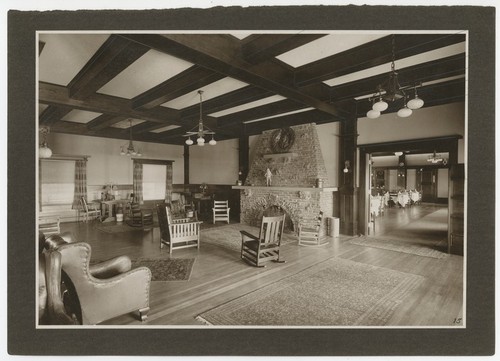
222,54
53,94
189,80
229,100
104,121
41,45
372,54
433,70
311,116
53,113
115,55
434,94
282,106
259,47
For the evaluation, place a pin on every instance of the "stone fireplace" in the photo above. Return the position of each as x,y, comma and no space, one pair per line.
295,177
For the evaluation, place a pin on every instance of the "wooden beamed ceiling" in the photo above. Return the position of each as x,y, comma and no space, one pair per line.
304,95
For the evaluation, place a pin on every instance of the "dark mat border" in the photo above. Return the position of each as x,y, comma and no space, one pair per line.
477,339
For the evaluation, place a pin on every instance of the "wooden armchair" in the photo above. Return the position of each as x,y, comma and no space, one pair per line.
140,217
221,211
176,234
89,210
265,247
309,232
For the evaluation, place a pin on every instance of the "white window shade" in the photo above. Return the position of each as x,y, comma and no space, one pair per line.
153,181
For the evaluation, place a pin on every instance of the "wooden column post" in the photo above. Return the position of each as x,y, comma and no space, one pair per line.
243,155
348,190
186,164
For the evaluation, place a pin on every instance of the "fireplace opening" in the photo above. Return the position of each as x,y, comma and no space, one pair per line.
274,210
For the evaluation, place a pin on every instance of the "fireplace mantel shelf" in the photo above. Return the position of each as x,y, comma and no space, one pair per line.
291,189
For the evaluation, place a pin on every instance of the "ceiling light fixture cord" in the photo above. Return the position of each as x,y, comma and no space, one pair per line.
200,131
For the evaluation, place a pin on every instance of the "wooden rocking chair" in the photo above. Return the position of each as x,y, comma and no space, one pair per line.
309,232
265,247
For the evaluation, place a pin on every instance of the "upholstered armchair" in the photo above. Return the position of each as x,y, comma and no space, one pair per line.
104,290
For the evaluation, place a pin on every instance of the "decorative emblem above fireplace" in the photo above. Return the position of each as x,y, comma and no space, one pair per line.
282,140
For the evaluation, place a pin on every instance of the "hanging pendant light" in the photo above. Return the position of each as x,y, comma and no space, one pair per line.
43,150
200,131
130,150
392,91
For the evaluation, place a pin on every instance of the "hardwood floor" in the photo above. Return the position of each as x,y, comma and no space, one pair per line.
219,276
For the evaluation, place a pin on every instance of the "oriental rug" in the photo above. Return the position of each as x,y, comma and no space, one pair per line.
229,236
336,292
424,249
168,269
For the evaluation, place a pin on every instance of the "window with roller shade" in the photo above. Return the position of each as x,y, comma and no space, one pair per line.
154,181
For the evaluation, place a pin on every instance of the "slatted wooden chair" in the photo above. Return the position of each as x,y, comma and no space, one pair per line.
140,217
176,234
265,247
309,232
89,210
221,211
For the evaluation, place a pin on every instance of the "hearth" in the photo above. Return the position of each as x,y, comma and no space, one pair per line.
295,175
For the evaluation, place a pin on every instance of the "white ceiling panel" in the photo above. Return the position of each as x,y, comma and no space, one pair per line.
400,64
254,104
210,91
41,108
65,54
279,115
124,124
147,72
241,35
325,46
164,129
80,116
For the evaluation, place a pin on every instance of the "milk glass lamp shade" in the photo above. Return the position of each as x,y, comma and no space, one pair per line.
212,142
415,103
380,106
44,151
189,141
372,114
200,141
404,112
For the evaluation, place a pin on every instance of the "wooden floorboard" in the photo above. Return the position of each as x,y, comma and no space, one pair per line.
219,276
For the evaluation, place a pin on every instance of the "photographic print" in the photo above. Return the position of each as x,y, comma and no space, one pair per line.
265,180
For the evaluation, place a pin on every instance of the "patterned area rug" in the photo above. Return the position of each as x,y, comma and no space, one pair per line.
430,249
337,292
169,269
229,236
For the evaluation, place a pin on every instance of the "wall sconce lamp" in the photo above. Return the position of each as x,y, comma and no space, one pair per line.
346,166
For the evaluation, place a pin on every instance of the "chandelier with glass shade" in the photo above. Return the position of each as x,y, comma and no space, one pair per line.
392,91
130,149
43,150
200,131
